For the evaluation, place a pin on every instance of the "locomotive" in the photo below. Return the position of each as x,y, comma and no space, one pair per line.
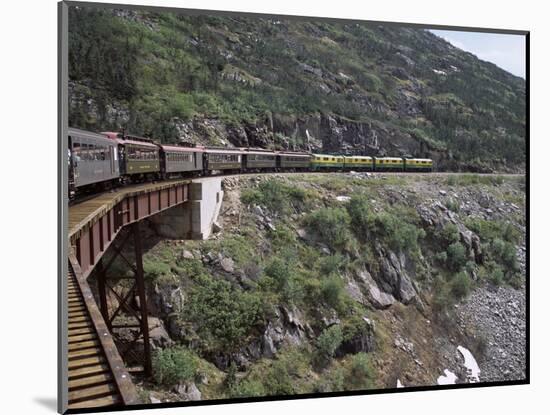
105,160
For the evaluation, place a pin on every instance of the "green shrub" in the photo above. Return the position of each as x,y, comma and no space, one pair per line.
247,388
496,276
224,316
449,234
505,253
453,205
331,225
278,197
153,269
332,292
398,234
285,280
456,256
329,340
331,381
460,285
360,374
358,209
281,376
331,264
174,365
441,257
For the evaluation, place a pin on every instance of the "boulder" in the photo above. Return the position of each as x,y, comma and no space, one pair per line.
377,297
188,391
227,264
187,254
158,336
395,275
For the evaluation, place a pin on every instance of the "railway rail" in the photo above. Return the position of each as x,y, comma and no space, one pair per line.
96,373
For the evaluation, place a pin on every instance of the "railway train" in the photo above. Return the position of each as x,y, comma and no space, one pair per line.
99,161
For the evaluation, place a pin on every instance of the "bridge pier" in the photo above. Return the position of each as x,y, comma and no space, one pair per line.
194,218
133,303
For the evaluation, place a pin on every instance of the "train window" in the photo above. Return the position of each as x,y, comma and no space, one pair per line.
77,151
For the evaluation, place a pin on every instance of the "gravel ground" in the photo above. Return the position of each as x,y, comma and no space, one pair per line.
498,316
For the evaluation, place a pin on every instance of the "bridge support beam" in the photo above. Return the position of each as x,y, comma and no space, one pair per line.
126,315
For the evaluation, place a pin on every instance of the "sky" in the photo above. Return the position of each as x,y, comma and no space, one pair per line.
505,51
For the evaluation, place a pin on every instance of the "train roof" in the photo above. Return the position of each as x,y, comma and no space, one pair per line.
293,154
87,134
124,141
327,155
389,158
223,150
181,148
359,157
413,158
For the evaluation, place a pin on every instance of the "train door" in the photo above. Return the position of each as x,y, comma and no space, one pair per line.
114,160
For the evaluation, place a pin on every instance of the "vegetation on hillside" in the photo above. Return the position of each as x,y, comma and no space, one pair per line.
157,70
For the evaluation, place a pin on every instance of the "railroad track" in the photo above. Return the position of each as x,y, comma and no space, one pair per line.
91,382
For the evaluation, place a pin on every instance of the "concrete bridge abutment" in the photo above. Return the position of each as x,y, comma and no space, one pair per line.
193,219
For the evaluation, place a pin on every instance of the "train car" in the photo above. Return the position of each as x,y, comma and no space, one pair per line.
389,164
179,161
256,159
418,165
326,162
139,158
358,163
93,161
216,159
293,161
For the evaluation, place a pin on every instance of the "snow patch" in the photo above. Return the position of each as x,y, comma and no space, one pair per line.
399,384
470,364
343,198
449,378
437,71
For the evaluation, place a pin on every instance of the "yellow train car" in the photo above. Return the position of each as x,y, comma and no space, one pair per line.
358,163
389,164
419,165
326,162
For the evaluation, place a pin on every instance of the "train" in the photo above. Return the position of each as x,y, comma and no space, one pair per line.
100,161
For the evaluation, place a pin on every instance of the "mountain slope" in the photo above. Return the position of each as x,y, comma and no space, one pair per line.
299,84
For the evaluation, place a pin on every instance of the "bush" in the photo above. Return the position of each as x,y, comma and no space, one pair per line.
496,276
398,234
173,365
441,257
225,316
285,281
329,340
449,234
331,225
453,205
460,285
332,291
247,388
280,377
153,269
360,374
505,253
277,197
358,209
331,264
456,256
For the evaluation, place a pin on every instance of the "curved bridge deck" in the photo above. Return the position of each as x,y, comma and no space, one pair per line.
97,376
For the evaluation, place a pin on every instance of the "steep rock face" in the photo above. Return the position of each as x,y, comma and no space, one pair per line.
360,88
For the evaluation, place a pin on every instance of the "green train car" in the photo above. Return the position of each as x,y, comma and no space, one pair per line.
326,162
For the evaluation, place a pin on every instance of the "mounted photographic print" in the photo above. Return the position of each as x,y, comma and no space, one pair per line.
261,207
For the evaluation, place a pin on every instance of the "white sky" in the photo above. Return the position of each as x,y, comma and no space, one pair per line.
505,51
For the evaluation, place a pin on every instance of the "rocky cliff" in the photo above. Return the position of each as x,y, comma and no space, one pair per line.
316,283
316,85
